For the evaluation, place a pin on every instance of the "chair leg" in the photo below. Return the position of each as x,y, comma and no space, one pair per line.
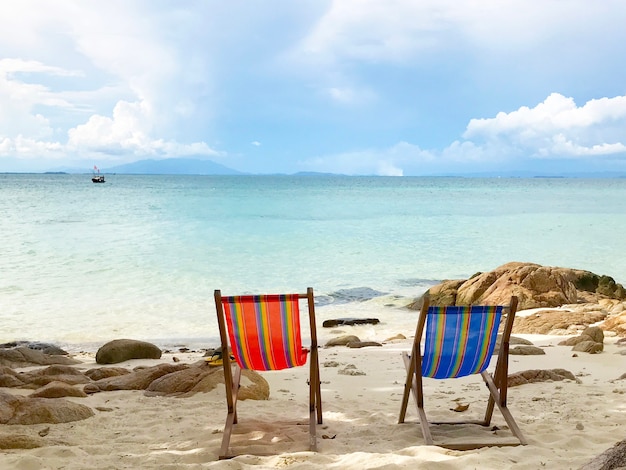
315,400
508,417
231,417
412,385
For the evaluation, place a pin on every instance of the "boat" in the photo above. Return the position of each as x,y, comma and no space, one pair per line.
97,178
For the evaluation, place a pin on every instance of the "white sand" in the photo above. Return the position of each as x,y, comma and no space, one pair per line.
566,423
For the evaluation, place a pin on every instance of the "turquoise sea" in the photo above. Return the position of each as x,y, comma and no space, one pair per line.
139,256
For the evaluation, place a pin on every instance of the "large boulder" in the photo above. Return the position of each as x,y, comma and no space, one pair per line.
120,350
535,286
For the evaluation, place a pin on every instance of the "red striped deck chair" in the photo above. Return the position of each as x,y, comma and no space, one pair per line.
262,332
459,341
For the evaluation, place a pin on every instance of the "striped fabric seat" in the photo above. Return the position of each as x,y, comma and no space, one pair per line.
264,331
459,340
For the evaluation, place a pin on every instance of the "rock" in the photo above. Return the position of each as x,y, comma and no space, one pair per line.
91,388
45,348
54,373
591,340
201,377
23,441
590,347
594,333
10,381
26,357
362,344
517,340
535,286
613,458
183,381
539,375
526,350
513,340
58,390
546,322
398,337
616,323
138,379
350,322
104,372
121,350
256,389
9,378
27,410
342,341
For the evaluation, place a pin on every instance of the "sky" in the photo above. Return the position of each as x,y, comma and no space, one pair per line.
372,87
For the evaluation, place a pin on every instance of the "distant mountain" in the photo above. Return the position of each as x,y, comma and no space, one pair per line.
172,166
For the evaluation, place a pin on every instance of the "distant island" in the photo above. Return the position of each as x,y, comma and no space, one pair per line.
172,166
193,165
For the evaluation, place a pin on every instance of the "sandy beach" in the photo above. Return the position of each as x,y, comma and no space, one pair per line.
566,423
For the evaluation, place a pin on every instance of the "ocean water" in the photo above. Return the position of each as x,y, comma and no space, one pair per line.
139,256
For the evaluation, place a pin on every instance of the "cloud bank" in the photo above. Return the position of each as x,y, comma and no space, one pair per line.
391,87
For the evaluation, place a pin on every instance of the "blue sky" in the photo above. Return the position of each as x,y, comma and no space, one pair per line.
386,87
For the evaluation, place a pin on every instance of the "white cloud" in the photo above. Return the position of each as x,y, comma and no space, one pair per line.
129,130
397,30
72,64
557,127
385,162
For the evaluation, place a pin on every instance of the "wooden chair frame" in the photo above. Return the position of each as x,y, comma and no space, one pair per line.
496,383
232,379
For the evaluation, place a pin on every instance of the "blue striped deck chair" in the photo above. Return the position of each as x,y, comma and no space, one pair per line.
459,341
262,332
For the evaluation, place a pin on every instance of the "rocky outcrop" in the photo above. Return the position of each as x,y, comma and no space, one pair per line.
535,286
120,350
550,322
